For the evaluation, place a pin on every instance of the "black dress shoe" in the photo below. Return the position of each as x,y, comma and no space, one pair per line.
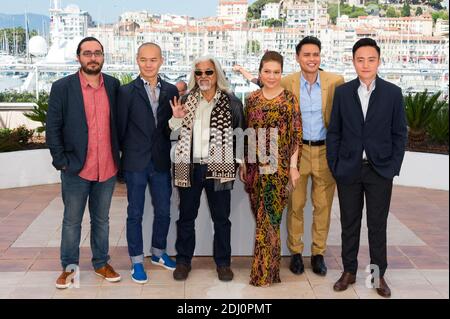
181,272
225,273
384,290
318,265
346,280
296,265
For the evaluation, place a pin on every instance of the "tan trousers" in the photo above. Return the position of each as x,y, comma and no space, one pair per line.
313,164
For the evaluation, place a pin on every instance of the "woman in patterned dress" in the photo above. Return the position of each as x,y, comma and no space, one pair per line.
271,173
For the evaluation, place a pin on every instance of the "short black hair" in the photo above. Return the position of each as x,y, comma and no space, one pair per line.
88,39
366,42
308,40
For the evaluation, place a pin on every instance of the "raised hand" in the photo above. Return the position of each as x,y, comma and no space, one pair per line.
178,109
237,68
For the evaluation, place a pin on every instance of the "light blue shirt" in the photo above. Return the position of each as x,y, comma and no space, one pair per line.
311,107
153,96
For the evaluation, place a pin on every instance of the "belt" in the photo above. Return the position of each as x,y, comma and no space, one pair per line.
200,161
314,143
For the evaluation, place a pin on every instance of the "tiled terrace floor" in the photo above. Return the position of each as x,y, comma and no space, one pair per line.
30,221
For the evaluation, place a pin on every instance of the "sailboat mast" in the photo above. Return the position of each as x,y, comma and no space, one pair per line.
27,37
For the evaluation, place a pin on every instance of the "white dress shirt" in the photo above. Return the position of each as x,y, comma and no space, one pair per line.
201,127
364,94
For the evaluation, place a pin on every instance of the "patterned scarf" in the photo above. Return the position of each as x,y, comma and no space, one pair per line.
221,163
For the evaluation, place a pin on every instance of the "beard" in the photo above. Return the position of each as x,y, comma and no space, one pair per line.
205,85
92,68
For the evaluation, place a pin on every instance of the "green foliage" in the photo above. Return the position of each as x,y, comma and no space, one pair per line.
15,97
253,47
373,9
254,11
438,128
19,35
125,78
435,4
351,11
39,112
391,12
14,140
274,23
443,14
406,9
419,11
5,132
421,110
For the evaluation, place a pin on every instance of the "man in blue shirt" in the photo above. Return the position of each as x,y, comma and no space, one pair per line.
143,121
315,91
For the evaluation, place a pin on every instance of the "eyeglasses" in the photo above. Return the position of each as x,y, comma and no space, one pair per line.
89,54
207,72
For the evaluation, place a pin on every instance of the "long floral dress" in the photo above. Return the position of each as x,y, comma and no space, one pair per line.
267,184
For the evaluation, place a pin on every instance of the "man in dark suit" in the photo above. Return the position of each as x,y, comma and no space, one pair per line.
82,137
144,133
365,148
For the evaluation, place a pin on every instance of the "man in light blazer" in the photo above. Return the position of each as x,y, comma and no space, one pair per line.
315,91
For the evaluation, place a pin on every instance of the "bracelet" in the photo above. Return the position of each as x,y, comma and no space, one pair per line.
294,166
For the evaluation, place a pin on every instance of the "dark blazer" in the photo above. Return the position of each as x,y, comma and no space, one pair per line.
140,139
382,135
67,130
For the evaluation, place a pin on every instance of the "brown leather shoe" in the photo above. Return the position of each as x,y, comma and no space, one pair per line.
65,280
384,290
346,280
108,273
225,273
181,272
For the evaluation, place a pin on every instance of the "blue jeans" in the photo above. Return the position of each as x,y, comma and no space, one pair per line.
76,192
160,184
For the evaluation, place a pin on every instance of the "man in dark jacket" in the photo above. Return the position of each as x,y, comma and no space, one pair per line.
365,148
82,138
205,158
144,112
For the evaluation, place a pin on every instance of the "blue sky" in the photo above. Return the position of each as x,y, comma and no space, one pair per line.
109,10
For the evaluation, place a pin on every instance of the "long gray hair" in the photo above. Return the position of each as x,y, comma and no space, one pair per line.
222,82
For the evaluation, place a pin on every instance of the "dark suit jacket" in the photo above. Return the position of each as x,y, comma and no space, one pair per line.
67,130
382,135
140,139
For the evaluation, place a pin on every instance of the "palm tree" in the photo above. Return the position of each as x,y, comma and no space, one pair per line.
39,112
125,78
421,110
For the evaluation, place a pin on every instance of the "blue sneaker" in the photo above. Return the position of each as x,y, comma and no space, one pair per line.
164,261
138,274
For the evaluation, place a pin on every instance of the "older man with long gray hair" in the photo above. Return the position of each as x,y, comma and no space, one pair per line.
205,158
